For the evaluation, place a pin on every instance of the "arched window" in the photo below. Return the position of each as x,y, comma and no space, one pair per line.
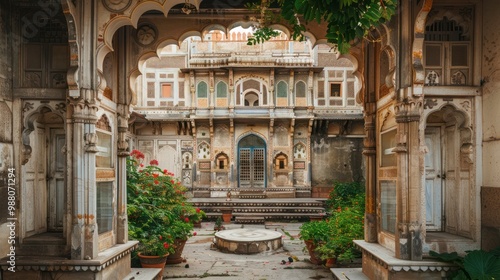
281,161
300,89
447,51
202,90
282,89
300,94
221,161
251,99
282,94
221,91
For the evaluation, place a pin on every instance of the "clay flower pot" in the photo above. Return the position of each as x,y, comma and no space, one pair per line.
153,262
176,257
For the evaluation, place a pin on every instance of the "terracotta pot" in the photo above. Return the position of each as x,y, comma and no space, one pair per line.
176,257
226,217
331,262
197,224
153,262
311,248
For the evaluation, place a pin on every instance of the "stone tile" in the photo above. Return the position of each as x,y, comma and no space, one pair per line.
205,263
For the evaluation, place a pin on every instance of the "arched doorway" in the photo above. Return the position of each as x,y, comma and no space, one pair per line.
448,168
44,184
252,162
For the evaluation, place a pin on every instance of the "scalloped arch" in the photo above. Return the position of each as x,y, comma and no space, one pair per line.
417,48
244,24
188,34
211,27
167,42
250,132
136,12
451,110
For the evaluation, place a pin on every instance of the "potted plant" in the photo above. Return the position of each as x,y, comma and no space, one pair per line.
218,224
314,234
345,224
197,217
158,211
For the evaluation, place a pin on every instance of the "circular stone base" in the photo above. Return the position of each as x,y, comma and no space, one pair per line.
247,240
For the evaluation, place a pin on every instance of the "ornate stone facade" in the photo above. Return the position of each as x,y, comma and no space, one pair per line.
90,82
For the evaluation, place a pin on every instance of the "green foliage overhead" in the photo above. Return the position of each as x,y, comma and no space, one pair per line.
346,19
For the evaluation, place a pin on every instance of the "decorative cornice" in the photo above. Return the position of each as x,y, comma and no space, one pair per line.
384,257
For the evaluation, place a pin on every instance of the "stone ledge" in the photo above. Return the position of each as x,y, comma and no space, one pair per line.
104,259
385,258
348,274
142,274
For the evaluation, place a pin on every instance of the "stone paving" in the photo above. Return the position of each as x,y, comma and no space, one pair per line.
205,262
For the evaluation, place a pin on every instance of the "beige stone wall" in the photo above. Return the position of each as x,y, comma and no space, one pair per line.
491,125
6,148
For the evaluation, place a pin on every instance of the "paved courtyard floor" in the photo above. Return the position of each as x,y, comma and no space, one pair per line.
204,262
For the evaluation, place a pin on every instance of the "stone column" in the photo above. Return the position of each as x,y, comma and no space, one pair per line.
369,150
310,89
82,82
84,239
271,88
123,153
408,187
291,86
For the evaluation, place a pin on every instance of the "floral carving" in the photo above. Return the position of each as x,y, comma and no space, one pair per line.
146,35
116,5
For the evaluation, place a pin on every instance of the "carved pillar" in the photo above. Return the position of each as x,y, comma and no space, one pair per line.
211,96
84,238
291,86
271,88
310,88
192,89
369,150
231,94
408,192
123,153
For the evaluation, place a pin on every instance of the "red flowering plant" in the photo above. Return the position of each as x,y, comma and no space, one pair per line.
158,211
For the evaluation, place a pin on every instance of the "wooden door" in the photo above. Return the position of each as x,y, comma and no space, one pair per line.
56,179
433,179
34,191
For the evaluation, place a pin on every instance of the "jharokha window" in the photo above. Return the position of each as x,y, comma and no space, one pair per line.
447,52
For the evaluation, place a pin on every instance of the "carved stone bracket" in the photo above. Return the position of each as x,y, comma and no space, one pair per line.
91,143
409,110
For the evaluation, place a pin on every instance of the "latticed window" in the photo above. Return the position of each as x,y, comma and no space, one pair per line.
163,87
336,86
447,54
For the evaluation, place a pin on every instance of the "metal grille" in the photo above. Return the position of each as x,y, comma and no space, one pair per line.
245,167
251,166
258,166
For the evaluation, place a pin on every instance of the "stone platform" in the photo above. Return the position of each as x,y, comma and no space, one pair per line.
248,240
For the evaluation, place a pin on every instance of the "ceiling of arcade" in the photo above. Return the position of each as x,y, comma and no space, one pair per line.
161,23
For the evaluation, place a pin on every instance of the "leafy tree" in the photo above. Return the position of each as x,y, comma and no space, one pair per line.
346,19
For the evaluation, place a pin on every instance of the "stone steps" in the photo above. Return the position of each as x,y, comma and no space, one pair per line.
143,274
311,210
261,210
250,220
45,244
